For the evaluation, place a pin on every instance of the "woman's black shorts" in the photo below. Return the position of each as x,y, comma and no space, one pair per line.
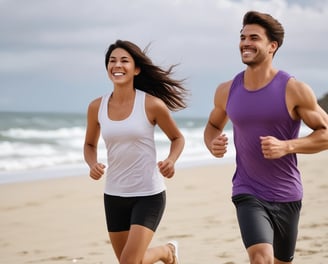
268,222
122,212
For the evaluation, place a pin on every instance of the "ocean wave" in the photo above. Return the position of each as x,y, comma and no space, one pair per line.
31,143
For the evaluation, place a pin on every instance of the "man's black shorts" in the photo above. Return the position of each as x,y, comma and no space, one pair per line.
268,222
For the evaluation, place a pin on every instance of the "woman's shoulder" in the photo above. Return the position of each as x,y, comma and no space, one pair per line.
95,104
153,100
96,101
155,107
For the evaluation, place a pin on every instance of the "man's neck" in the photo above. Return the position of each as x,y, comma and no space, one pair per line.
257,77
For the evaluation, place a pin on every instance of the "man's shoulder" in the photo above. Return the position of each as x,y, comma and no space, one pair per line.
225,85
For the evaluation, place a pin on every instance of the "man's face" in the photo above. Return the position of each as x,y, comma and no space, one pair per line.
255,47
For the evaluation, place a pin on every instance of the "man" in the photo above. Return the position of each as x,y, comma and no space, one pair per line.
266,107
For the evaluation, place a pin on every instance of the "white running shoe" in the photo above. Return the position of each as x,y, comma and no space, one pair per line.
175,244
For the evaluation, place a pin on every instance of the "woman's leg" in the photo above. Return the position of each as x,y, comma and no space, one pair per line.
118,241
131,245
136,251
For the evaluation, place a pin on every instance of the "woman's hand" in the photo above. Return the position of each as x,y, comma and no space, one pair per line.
97,170
166,168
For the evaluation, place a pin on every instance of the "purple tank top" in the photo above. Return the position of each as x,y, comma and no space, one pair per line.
263,113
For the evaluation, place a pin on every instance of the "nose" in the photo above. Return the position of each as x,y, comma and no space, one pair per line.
118,64
247,41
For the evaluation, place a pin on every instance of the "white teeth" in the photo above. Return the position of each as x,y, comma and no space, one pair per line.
247,52
118,74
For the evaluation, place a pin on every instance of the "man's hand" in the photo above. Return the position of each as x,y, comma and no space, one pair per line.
273,148
219,146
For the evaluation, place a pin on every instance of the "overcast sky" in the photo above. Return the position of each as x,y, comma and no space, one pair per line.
52,52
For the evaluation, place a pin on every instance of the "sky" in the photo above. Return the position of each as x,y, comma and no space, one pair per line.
52,52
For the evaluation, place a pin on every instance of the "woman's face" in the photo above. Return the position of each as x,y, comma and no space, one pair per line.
121,67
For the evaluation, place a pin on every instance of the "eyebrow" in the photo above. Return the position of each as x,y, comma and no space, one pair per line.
114,57
250,35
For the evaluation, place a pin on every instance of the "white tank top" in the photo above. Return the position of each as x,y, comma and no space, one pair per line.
131,153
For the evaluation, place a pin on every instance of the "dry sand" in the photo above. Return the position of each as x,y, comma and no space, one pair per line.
62,220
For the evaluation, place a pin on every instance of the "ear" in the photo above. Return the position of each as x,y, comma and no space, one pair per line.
137,71
273,47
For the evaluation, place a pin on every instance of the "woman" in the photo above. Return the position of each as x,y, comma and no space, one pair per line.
134,197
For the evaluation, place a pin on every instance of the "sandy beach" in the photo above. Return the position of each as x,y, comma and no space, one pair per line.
62,220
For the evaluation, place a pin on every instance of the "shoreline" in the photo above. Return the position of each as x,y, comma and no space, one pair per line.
61,220
76,170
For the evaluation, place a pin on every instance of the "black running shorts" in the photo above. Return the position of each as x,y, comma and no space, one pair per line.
122,212
268,222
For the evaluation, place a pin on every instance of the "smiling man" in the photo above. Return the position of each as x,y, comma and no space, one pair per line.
266,107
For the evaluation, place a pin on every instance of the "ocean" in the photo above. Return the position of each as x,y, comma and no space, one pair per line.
46,145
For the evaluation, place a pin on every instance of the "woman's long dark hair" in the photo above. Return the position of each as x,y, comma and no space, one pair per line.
153,79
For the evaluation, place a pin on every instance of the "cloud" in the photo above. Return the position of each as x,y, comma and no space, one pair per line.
60,45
